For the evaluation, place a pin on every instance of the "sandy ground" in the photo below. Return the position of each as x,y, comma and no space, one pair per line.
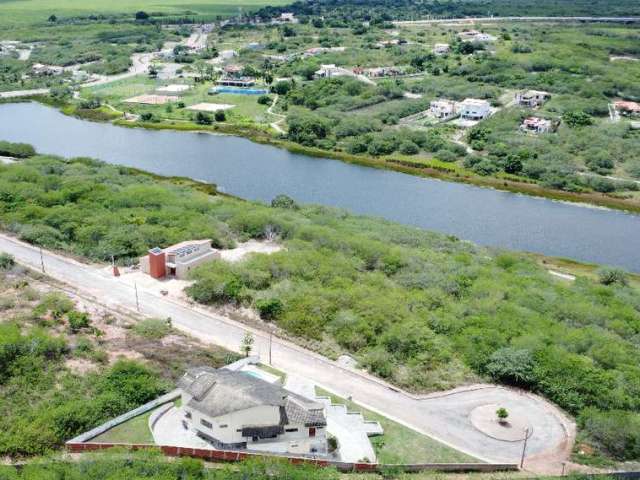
151,99
210,107
252,246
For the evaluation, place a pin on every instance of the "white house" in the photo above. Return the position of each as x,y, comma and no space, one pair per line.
443,109
287,17
233,409
441,48
475,36
474,109
228,54
532,98
330,70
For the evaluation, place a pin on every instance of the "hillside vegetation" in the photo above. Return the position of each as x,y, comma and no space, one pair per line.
420,309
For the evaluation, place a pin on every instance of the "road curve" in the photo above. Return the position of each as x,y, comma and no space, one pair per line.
443,416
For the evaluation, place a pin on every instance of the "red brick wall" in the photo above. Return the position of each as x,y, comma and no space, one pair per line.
157,265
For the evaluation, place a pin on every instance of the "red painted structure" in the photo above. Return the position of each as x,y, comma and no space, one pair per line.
157,263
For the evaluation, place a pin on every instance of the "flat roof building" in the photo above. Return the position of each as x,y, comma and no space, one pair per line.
443,109
178,260
474,109
536,125
532,98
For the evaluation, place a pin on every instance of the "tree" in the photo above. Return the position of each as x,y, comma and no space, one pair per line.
247,344
502,415
6,261
203,119
612,276
220,116
284,201
141,15
577,119
52,18
513,164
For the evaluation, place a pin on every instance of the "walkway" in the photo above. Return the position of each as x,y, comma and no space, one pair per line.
276,125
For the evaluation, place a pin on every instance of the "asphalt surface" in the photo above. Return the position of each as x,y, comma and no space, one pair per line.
444,416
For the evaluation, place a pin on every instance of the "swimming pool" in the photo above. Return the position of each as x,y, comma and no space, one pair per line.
239,90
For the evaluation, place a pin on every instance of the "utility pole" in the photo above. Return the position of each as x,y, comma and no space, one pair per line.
41,260
270,342
524,446
135,285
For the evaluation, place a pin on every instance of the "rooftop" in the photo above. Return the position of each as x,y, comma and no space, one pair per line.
219,392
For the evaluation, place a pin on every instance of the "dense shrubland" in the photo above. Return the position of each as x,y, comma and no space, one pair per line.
121,465
422,310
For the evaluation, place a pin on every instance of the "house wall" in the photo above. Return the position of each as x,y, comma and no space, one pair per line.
184,267
257,416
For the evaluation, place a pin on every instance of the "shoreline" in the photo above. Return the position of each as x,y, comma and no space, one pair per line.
434,171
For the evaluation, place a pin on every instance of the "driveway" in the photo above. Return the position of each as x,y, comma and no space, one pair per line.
444,416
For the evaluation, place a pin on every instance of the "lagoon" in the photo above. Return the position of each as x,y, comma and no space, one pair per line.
260,172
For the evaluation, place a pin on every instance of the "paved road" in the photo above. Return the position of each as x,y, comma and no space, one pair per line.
442,416
24,93
517,19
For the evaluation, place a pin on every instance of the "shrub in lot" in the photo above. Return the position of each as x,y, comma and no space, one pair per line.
269,308
152,328
6,261
611,276
616,432
78,321
220,116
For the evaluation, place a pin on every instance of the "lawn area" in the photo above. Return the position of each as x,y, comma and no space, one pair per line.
135,430
20,11
246,107
400,444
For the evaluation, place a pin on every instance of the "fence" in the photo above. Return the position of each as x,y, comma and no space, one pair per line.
238,456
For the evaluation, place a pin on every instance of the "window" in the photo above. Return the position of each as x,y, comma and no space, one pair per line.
205,423
187,414
291,430
223,426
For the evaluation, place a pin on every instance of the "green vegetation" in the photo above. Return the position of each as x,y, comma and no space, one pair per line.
340,12
17,150
122,465
152,328
420,309
400,444
57,377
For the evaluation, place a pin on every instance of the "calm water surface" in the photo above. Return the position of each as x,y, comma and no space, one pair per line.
260,172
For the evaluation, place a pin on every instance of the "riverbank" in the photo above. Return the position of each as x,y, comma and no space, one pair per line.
427,168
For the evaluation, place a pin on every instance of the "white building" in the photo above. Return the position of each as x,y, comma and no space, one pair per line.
441,48
178,260
330,70
233,409
532,98
474,109
443,109
476,36
40,69
228,54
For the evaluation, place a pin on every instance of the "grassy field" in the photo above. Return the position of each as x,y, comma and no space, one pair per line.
31,11
135,430
400,444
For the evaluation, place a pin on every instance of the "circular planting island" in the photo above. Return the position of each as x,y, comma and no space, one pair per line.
485,420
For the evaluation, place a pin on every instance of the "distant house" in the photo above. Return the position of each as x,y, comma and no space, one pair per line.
46,70
441,48
178,260
474,109
631,109
380,72
228,54
287,17
388,43
330,70
234,410
233,70
475,36
532,98
536,125
443,109
312,52
255,46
